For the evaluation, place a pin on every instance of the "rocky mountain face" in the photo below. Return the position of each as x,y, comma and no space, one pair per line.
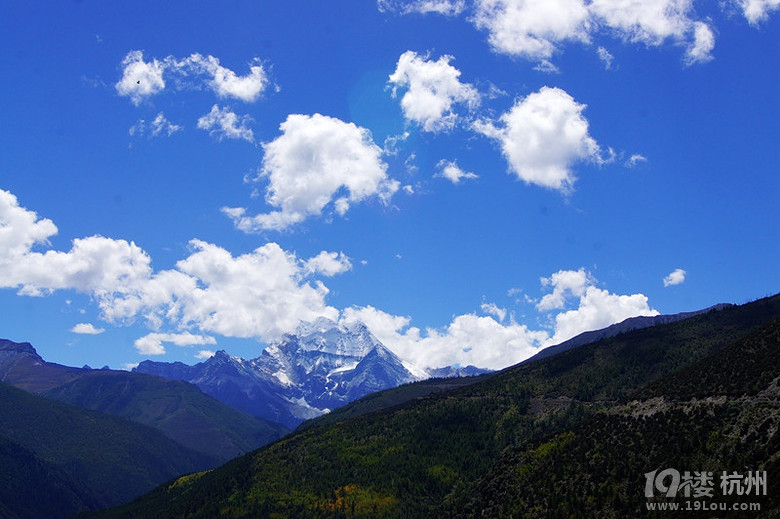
323,365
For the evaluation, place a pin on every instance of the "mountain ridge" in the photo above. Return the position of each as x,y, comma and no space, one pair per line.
176,408
322,366
426,455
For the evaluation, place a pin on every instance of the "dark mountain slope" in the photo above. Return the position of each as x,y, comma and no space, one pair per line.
178,409
721,414
425,454
31,487
99,459
628,325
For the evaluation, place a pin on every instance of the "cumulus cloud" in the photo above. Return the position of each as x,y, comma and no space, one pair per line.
468,339
452,172
532,29
432,89
537,29
675,277
443,7
652,23
575,305
205,354
565,283
261,294
328,263
87,329
152,344
140,79
757,11
597,308
160,126
267,292
95,265
542,136
222,123
317,162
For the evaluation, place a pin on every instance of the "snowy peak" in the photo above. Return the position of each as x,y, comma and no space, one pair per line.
326,336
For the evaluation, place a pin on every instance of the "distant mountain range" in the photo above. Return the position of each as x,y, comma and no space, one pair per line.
570,435
320,367
124,434
57,459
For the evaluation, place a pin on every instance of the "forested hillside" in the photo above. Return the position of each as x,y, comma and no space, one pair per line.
432,454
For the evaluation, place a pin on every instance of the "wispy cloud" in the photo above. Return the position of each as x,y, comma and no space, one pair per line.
222,123
443,7
160,126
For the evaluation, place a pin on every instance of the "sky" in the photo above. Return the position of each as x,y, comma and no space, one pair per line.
474,180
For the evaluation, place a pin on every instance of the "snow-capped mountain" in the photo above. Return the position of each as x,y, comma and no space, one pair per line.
323,365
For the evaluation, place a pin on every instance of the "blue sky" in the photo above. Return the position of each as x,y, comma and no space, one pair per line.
474,180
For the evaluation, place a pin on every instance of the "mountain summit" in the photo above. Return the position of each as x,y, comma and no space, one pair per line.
323,365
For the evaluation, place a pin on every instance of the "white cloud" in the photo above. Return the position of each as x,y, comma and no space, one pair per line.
328,263
486,342
317,161
565,283
160,125
205,354
653,22
452,172
542,136
443,7
223,81
432,88
675,277
537,29
95,265
152,344
495,310
757,11
20,229
700,51
87,329
267,292
260,294
140,79
468,339
635,159
532,29
606,57
598,309
223,123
